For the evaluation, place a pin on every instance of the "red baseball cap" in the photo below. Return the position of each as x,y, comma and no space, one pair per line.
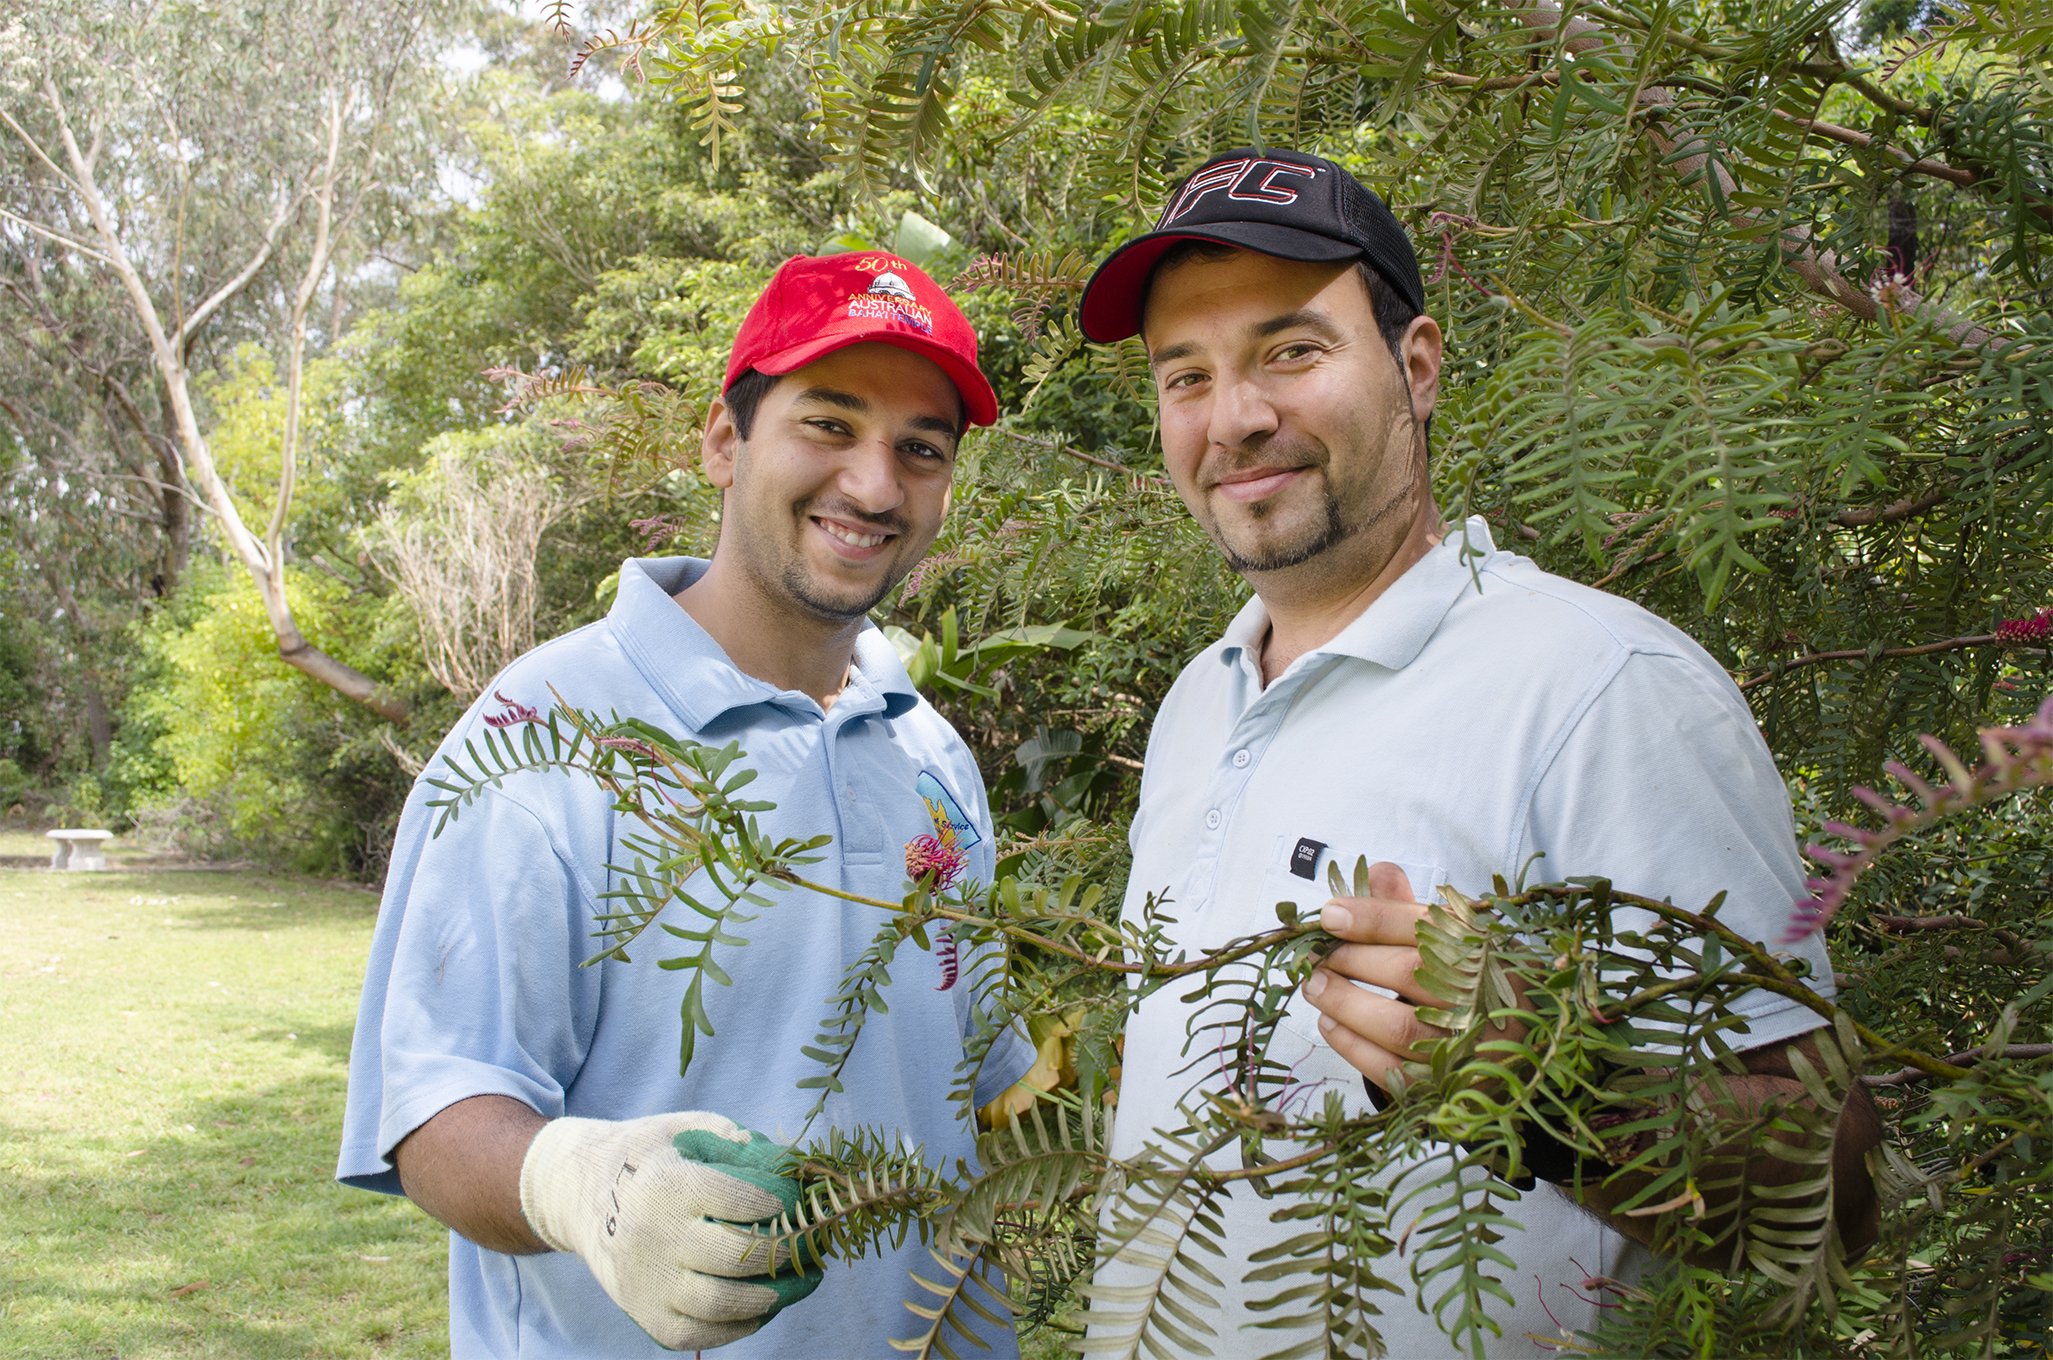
816,304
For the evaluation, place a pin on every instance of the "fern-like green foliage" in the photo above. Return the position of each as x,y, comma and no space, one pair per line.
1619,1043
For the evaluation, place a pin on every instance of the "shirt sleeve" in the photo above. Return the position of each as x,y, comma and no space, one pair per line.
1664,785
473,986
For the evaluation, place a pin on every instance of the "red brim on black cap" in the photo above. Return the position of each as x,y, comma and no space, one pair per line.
1111,307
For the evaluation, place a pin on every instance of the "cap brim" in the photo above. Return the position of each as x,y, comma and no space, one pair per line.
1111,307
979,402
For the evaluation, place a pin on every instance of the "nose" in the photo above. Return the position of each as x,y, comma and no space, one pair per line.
1241,412
869,477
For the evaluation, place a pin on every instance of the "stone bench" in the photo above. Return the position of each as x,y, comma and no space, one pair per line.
78,849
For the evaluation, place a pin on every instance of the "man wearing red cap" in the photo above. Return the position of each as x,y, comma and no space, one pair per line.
532,1104
1402,692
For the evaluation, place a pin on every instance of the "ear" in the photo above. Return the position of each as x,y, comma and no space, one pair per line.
1423,350
720,445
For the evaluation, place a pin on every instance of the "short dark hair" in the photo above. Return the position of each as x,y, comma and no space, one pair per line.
1392,311
749,388
744,395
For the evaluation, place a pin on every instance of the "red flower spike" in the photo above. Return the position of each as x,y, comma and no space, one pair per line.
945,955
927,856
2034,629
514,713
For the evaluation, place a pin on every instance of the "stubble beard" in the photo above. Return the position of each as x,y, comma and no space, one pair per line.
804,589
1319,537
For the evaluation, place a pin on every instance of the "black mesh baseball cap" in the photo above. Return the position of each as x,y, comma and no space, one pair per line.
1281,203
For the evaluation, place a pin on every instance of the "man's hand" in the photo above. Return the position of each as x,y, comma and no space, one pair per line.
653,1204
1373,1032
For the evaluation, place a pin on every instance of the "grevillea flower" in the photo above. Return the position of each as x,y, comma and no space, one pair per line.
928,855
2034,629
514,713
945,955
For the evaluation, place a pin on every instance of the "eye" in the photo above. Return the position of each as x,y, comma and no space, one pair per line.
828,425
1190,377
1295,352
928,453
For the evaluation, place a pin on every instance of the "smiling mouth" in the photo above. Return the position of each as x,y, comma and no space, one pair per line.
855,538
1256,483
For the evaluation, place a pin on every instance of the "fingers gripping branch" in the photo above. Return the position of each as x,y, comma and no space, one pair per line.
658,1208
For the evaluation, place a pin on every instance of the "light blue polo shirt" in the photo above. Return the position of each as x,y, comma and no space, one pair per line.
474,986
1479,712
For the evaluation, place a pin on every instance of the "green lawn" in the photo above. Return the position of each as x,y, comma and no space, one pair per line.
173,1048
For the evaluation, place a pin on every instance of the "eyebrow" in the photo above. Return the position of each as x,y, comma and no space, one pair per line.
849,401
833,396
1304,318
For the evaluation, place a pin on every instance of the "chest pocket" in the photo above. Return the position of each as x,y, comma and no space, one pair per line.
1285,884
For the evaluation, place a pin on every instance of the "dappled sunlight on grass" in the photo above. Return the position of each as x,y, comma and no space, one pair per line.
175,1047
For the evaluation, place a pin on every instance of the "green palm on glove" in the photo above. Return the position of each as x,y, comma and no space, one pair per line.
755,1162
665,1210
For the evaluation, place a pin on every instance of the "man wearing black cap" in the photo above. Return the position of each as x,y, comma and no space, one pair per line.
1404,694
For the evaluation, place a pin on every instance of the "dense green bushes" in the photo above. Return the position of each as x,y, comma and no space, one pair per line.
227,753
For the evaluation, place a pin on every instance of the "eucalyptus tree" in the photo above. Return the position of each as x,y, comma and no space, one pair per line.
1750,322
186,178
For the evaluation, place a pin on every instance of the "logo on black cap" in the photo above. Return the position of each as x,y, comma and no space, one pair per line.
1247,180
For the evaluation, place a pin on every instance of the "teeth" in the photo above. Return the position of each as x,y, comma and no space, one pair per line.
850,537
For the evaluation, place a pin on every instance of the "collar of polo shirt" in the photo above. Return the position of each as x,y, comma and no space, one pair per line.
1395,628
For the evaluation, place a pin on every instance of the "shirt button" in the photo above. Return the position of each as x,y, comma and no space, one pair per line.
1241,758
1212,820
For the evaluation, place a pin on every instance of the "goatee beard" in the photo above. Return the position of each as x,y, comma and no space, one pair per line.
1288,555
1335,531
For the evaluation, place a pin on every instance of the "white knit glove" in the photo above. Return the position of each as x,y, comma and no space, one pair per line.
650,1204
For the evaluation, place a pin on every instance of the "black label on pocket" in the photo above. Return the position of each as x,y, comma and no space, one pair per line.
1304,861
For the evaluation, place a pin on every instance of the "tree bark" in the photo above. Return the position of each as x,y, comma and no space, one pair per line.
174,493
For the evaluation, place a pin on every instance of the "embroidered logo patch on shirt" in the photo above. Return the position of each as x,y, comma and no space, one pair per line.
951,826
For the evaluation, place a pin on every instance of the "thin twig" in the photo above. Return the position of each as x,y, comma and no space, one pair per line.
1862,516
1861,654
1906,1075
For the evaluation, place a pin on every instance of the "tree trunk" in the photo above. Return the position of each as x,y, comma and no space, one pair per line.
99,726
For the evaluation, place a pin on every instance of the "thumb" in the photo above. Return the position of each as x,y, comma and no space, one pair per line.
1387,880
